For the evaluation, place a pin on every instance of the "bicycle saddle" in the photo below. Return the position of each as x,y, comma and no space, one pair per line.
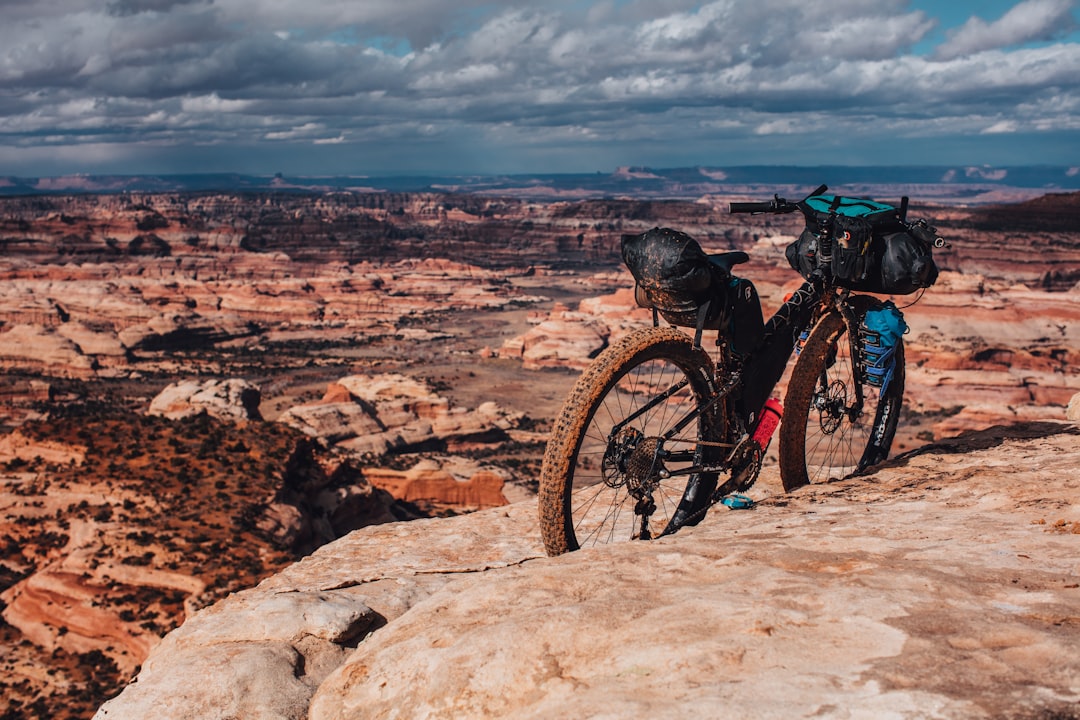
728,260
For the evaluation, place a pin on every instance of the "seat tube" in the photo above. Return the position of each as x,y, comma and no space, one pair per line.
767,362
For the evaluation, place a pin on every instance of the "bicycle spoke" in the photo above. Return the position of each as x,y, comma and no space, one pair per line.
614,479
822,438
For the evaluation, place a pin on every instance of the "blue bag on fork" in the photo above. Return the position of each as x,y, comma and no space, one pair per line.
882,330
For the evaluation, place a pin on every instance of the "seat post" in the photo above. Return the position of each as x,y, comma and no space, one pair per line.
702,314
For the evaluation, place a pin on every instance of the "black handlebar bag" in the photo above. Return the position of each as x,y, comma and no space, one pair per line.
677,278
872,250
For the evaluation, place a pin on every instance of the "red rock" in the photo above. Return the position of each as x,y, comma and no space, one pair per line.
44,349
429,482
336,393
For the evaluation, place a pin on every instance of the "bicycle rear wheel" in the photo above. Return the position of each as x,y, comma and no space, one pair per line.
826,434
607,474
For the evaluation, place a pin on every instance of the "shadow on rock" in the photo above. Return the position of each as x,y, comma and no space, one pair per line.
974,440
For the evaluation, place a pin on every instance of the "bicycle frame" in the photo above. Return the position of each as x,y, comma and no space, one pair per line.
660,424
763,368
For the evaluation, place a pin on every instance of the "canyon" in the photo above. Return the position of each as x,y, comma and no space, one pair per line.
202,388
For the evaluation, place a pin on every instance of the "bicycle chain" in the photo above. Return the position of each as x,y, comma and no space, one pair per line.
730,486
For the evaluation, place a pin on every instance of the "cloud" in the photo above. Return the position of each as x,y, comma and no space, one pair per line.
312,131
212,103
986,173
519,80
1002,126
1028,21
782,126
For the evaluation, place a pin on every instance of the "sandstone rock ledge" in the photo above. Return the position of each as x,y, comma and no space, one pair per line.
944,586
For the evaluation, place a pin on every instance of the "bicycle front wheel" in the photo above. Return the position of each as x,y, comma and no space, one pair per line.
826,433
614,468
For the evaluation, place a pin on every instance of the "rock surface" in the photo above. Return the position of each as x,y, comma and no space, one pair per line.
945,585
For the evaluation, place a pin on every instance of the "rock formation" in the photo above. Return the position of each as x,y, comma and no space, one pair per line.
377,414
370,416
232,399
39,347
448,484
944,585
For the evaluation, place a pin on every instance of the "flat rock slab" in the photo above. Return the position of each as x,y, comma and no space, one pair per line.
943,586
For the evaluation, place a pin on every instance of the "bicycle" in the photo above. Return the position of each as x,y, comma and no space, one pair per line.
654,422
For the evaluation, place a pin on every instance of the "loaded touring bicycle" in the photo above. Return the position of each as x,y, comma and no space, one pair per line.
657,430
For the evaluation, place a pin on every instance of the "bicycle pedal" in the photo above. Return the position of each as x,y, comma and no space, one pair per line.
738,502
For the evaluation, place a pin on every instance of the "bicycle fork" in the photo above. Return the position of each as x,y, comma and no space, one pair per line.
835,408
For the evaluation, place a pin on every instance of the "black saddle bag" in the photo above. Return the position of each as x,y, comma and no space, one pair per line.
677,278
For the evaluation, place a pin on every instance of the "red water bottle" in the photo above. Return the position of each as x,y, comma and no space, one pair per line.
770,418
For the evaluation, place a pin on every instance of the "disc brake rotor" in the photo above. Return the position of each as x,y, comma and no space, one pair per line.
832,406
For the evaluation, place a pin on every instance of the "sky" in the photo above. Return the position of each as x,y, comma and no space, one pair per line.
399,87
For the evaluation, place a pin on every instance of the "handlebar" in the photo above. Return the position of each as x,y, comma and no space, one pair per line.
752,207
928,234
777,205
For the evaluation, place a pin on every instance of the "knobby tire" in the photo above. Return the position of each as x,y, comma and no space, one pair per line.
582,500
819,440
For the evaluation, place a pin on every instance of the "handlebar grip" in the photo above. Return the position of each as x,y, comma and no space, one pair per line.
752,207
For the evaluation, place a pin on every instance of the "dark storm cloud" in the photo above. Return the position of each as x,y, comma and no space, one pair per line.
286,75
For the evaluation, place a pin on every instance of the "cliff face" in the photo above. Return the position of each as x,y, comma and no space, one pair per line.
944,585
